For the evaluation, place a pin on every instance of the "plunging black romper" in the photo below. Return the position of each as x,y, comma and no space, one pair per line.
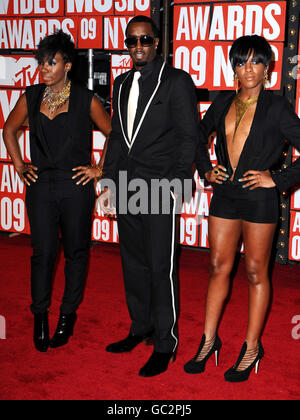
274,122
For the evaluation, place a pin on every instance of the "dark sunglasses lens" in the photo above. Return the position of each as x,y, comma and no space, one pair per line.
146,41
131,42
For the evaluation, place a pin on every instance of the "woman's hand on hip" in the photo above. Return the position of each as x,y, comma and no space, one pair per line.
27,173
86,174
256,179
217,175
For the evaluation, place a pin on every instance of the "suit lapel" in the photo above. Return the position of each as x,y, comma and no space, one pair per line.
254,133
145,95
150,88
257,123
259,116
123,105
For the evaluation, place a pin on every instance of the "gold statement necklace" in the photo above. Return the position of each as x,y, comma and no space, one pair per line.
53,100
241,109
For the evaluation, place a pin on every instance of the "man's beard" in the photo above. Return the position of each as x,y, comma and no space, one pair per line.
141,63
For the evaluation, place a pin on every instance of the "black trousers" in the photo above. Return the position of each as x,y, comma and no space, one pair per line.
148,249
56,204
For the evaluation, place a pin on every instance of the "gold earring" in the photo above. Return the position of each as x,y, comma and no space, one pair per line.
236,82
266,76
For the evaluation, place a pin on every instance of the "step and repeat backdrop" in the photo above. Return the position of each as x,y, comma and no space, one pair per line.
203,32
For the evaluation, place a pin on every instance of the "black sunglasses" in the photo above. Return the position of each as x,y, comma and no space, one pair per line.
145,40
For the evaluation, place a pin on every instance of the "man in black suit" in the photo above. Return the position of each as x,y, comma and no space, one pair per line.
153,138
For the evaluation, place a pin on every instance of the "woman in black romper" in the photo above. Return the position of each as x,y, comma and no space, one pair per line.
60,194
252,125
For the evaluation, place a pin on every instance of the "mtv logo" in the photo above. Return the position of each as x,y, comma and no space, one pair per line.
18,71
123,61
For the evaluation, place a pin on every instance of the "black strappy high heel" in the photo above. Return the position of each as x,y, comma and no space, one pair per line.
250,357
197,364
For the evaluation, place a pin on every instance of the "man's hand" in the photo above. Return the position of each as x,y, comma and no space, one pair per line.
105,203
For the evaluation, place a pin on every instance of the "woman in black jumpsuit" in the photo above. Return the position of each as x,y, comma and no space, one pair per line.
60,194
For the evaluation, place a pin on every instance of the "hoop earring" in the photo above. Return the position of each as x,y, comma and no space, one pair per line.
66,75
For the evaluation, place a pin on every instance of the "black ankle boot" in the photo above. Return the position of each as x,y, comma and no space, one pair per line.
129,343
157,364
41,332
64,330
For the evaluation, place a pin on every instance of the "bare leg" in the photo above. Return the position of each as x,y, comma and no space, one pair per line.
224,235
258,240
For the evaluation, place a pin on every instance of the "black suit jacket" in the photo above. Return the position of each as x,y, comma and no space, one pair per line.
274,122
165,132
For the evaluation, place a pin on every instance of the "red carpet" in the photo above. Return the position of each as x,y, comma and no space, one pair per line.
83,370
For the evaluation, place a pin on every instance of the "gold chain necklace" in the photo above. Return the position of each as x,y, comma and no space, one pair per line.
54,100
241,109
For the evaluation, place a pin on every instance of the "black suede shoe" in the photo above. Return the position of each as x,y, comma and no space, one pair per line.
157,364
64,330
41,332
249,358
129,343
